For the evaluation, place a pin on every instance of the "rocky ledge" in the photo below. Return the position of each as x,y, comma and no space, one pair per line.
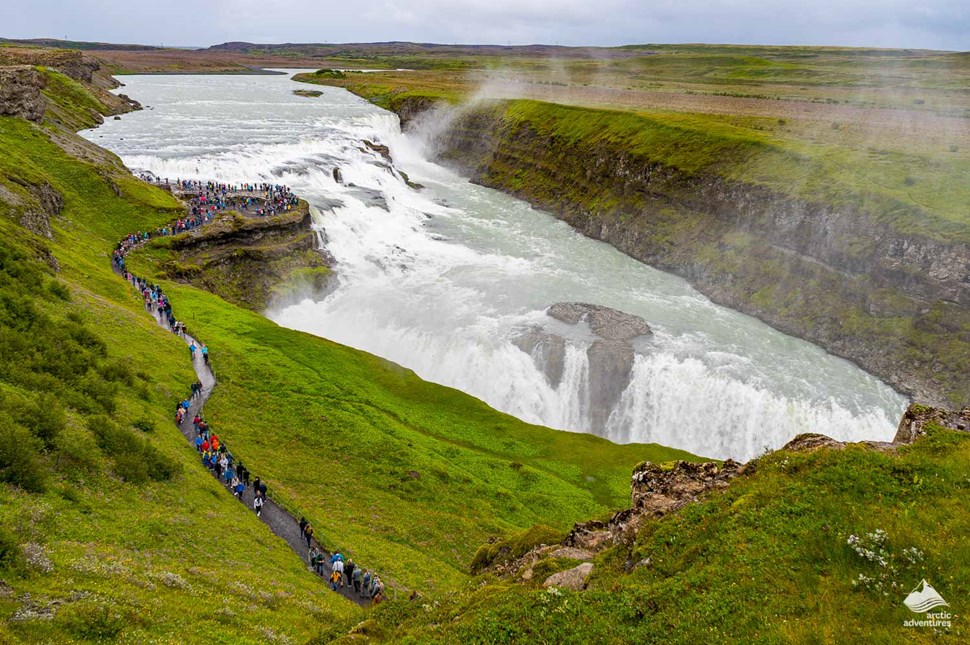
255,262
20,93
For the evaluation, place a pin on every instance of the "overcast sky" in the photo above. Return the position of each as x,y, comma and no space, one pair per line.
935,24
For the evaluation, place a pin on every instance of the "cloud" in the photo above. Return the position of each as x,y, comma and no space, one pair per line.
934,24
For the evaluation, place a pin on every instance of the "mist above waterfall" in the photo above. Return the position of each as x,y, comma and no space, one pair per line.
444,279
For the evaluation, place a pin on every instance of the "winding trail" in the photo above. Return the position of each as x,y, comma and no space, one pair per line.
279,521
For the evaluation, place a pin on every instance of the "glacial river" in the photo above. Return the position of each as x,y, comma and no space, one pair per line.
442,279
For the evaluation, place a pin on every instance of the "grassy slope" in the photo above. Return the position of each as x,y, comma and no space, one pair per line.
765,561
404,475
335,432
163,559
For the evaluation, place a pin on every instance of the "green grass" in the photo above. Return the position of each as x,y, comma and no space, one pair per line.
765,561
406,476
174,557
114,526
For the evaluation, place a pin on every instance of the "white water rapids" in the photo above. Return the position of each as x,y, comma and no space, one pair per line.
441,279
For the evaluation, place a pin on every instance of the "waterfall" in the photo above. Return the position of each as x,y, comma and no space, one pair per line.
444,279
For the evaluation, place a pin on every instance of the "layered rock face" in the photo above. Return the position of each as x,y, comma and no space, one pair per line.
20,93
254,262
610,355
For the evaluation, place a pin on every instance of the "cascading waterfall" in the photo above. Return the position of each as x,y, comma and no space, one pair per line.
444,279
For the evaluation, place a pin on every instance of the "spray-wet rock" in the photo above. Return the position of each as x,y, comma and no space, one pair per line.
610,356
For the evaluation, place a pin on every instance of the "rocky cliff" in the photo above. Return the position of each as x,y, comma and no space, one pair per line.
252,261
25,74
896,304
20,93
657,490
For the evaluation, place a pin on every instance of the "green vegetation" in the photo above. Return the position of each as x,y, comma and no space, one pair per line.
107,530
405,476
768,560
70,104
110,528
329,73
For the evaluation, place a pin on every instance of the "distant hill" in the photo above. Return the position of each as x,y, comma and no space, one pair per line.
399,48
74,44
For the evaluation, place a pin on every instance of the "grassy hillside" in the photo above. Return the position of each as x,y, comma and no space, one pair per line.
405,475
768,560
109,527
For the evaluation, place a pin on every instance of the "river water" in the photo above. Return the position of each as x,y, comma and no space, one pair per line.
442,279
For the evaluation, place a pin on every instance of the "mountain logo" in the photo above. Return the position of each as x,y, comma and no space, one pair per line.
923,598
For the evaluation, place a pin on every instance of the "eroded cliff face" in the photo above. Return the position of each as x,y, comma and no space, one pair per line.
20,93
897,305
252,261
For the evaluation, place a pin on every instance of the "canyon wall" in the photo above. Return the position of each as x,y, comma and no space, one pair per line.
894,303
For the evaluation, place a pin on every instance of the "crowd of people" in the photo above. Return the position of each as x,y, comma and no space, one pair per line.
344,573
215,455
207,197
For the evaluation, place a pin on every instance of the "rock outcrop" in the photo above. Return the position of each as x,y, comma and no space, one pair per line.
610,354
656,490
255,262
48,204
573,579
913,424
20,93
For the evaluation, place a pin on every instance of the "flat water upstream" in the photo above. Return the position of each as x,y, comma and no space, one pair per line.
442,279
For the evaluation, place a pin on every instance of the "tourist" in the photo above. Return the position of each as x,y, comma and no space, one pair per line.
258,505
355,579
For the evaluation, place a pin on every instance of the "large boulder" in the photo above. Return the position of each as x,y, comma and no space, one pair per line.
606,323
573,579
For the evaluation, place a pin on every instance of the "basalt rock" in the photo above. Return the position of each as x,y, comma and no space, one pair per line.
606,323
548,352
34,205
915,419
49,204
380,149
20,93
255,262
656,490
610,355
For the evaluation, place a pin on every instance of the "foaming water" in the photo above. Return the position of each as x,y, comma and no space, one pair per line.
443,278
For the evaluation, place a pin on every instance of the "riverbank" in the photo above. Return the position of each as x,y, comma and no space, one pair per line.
862,273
